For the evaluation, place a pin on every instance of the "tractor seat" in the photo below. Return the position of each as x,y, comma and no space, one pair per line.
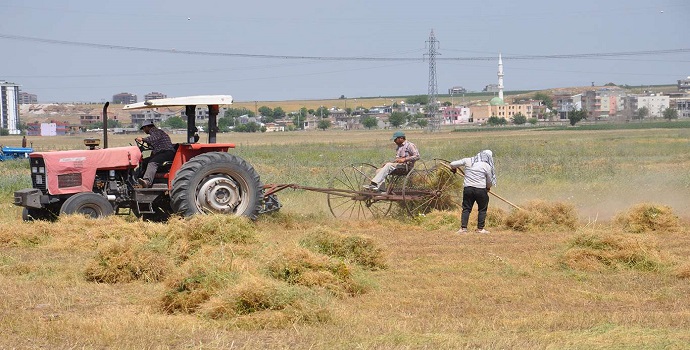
165,167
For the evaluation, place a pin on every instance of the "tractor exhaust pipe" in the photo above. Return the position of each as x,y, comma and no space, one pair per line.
105,124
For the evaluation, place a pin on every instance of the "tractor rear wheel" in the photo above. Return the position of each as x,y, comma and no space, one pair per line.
87,203
216,182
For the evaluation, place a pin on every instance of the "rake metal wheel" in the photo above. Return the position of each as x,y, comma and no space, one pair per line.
431,187
356,202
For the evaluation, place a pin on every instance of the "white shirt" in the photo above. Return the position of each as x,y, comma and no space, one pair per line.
477,174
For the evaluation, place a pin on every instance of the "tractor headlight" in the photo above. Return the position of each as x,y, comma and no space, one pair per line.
34,170
41,170
39,180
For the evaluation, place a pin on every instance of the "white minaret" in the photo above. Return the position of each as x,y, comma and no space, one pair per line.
500,76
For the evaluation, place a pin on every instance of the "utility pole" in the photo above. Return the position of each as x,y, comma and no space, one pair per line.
432,103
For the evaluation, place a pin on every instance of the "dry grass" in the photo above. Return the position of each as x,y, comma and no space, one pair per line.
613,251
219,283
539,215
647,217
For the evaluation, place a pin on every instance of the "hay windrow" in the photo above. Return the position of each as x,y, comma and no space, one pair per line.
540,215
127,260
647,217
613,251
197,280
214,229
360,250
302,267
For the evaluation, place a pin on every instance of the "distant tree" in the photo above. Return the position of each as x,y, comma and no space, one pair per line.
322,112
576,116
610,84
112,123
4,132
310,111
670,114
369,122
348,110
397,118
422,122
298,118
236,112
447,104
641,113
224,124
493,120
342,97
265,111
421,99
278,113
174,123
532,121
541,96
249,127
324,124
519,119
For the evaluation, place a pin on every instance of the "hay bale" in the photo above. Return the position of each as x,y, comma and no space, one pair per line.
596,252
647,217
540,215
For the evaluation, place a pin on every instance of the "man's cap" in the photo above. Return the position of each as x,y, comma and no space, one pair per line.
146,124
397,134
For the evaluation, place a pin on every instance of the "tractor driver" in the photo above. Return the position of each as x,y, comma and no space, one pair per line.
162,151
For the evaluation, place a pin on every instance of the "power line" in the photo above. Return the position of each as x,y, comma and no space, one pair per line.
340,58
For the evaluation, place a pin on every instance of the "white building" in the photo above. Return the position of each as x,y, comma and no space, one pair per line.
9,107
656,104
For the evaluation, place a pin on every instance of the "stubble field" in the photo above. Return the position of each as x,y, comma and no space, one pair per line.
599,260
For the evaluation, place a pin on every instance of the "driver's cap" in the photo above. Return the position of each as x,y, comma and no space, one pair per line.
145,125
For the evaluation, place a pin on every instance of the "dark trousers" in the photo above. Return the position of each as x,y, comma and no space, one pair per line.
469,196
152,163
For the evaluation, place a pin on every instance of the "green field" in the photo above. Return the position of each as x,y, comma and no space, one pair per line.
612,274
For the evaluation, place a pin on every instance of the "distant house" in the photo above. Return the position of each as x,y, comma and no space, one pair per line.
456,115
54,128
274,127
684,84
456,90
89,119
26,98
154,96
124,98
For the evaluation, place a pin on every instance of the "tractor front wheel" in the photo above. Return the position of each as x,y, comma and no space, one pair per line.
87,203
216,182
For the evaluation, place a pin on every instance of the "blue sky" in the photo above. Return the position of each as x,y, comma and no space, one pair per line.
58,51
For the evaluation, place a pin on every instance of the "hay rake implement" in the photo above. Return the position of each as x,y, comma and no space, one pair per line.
428,186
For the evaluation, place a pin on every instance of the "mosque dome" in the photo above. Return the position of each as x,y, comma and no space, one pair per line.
496,101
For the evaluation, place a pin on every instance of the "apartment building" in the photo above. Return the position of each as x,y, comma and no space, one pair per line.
9,107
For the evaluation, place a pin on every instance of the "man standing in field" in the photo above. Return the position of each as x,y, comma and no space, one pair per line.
162,151
480,176
405,156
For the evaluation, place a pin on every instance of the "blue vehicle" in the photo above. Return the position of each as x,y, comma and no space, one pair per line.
7,152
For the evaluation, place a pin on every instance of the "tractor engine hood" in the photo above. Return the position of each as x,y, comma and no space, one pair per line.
85,163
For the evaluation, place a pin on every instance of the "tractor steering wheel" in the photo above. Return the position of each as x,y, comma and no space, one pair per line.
143,145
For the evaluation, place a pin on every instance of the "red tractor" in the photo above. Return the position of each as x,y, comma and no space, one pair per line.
202,178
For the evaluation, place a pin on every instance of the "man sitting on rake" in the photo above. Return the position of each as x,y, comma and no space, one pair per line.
405,156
